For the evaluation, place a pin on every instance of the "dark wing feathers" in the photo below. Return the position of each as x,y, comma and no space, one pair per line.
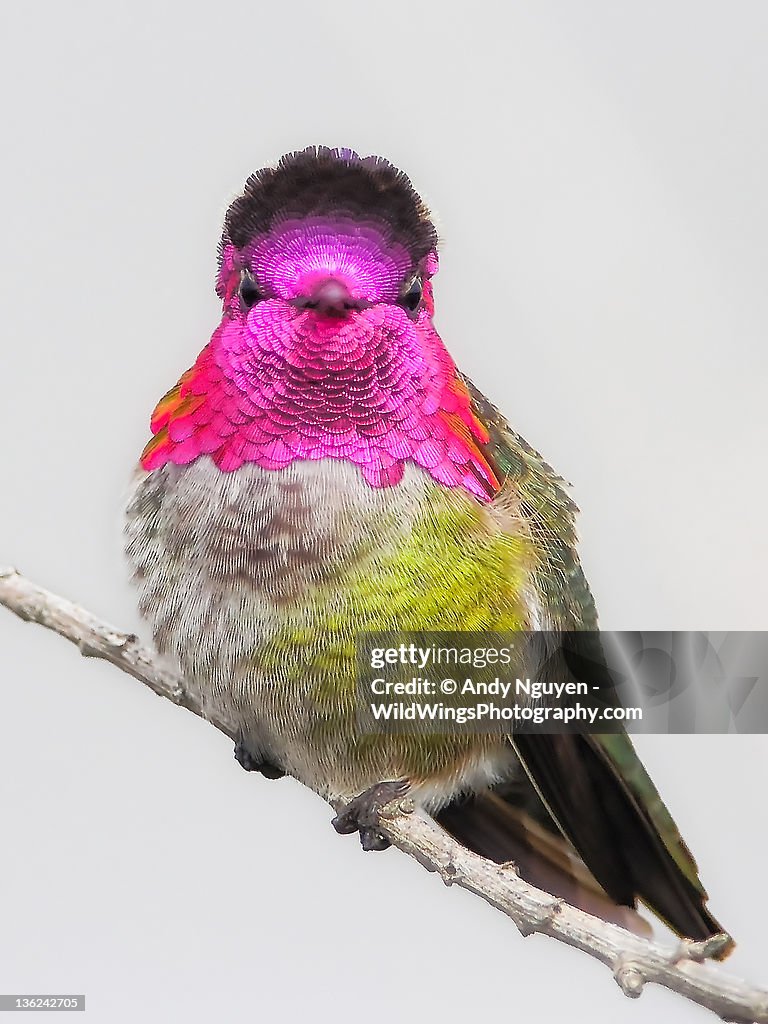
503,826
594,788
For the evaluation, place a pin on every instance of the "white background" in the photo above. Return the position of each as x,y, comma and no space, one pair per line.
598,171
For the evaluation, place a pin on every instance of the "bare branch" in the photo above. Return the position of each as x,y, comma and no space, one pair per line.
634,961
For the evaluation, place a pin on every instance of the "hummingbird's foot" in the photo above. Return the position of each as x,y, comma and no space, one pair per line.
362,814
247,761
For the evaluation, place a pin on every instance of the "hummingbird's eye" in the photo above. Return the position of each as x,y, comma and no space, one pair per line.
248,290
412,298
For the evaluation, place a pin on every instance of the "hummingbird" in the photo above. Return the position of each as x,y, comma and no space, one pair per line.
322,469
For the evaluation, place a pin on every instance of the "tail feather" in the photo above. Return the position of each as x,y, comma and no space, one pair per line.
630,845
590,829
499,829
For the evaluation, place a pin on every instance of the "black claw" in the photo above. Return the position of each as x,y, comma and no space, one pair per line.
251,764
370,839
344,824
362,814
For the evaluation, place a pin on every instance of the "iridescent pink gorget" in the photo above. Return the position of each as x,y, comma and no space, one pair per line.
368,381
